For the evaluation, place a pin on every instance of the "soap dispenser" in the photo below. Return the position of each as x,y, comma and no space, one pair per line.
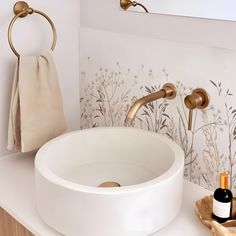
222,200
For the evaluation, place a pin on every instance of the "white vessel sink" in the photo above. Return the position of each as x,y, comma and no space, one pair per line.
69,169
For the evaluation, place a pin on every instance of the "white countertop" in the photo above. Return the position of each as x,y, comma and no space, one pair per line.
17,198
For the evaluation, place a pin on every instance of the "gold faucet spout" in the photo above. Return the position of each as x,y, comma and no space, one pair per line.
168,91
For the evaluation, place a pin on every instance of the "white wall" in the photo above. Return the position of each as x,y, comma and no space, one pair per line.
33,34
106,15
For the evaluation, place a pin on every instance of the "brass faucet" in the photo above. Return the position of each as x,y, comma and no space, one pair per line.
199,99
168,91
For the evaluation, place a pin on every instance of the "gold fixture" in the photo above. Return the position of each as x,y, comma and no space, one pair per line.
22,9
125,4
199,99
109,185
168,91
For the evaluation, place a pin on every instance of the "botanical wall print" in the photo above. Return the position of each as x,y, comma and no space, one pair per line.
229,114
105,100
107,94
117,69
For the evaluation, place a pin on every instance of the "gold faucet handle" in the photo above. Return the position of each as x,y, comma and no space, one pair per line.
199,99
190,119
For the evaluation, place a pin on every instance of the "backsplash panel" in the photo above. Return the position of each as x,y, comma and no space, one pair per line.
117,69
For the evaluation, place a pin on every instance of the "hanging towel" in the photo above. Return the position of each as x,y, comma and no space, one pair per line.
36,112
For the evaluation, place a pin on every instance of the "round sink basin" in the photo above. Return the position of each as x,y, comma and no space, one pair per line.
109,182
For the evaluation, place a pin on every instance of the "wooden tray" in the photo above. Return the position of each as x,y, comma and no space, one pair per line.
203,210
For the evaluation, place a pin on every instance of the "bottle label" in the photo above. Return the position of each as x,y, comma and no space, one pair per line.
221,209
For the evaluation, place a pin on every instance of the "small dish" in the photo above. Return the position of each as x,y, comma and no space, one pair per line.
203,210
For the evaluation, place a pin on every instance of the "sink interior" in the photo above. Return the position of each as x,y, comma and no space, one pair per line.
120,156
124,173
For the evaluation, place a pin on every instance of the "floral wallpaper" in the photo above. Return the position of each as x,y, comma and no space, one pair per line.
109,88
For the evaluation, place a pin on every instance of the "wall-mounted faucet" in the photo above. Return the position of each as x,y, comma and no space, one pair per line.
168,91
199,99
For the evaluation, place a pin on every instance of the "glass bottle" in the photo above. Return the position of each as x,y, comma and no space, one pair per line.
222,200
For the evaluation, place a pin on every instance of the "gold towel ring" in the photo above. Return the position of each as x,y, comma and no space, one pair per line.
125,4
22,9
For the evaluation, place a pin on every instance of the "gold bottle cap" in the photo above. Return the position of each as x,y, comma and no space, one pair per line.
224,180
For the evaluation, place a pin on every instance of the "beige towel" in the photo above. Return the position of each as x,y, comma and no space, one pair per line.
36,112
